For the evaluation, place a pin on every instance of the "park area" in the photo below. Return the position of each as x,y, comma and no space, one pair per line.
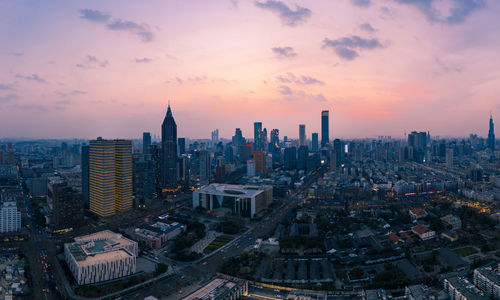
219,241
465,251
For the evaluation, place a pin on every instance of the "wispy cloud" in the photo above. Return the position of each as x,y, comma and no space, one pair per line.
284,52
94,15
367,27
346,47
300,80
5,87
142,30
71,93
8,98
32,77
143,60
288,16
93,62
291,95
201,79
362,3
454,13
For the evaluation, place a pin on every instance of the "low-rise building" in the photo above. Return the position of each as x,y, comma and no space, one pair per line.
450,259
423,232
156,235
243,200
452,221
459,288
221,288
488,280
101,256
417,213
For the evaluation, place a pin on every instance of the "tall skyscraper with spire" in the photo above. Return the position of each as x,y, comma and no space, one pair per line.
169,151
491,135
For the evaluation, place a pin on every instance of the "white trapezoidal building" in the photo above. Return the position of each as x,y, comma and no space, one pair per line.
101,256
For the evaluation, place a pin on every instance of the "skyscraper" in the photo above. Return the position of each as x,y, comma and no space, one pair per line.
144,178
315,144
182,145
215,137
491,135
67,206
274,142
257,136
302,135
169,151
146,142
110,176
325,132
85,175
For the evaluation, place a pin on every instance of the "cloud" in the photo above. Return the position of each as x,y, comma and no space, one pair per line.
72,93
284,52
362,3
346,47
288,16
93,62
32,77
8,98
291,95
300,80
94,15
142,30
201,79
367,27
18,54
446,11
5,87
448,68
143,60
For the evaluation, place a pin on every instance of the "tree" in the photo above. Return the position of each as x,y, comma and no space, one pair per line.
161,268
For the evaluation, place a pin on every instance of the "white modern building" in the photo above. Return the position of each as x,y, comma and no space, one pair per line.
243,200
10,217
101,256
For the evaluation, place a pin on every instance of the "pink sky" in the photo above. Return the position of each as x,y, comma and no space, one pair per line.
108,68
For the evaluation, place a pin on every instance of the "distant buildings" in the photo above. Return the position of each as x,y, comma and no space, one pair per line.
100,256
453,221
85,175
314,144
10,217
449,158
169,151
146,142
243,200
110,176
302,135
144,179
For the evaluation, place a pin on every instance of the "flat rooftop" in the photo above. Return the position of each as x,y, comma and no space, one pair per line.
215,289
246,191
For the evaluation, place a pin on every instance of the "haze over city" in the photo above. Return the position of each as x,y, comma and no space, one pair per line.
94,68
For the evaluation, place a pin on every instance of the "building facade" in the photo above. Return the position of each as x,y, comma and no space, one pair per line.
10,217
169,151
325,128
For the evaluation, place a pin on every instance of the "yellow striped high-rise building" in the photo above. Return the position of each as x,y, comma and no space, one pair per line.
110,176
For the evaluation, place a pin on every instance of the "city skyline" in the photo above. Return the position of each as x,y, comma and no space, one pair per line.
216,65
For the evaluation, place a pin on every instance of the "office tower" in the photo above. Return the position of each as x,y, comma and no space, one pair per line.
338,148
205,170
215,137
10,154
184,170
257,136
245,152
238,138
418,141
491,135
169,151
315,143
146,142
264,139
325,128
303,153
182,145
290,160
274,141
260,161
110,176
10,217
449,158
67,207
144,179
302,135
251,168
229,153
85,175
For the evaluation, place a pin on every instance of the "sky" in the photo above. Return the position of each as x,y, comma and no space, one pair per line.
82,69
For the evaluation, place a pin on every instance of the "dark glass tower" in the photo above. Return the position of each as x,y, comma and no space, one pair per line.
257,136
85,175
315,146
146,142
491,135
325,132
168,151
